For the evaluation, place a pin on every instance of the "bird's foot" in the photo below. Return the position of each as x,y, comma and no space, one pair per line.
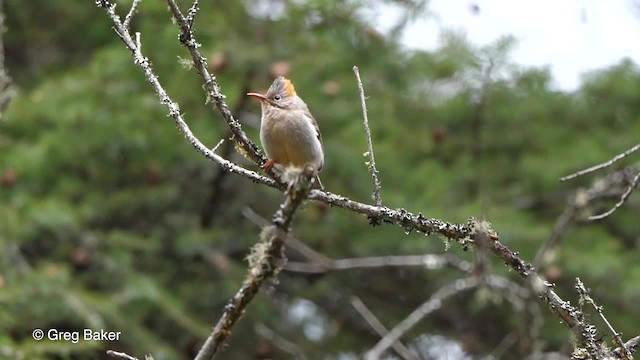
268,165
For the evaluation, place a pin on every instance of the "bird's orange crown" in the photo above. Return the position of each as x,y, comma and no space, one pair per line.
288,88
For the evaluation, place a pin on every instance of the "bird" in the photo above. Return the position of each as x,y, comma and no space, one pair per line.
289,133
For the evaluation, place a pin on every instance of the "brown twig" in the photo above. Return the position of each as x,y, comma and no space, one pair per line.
379,328
262,264
371,164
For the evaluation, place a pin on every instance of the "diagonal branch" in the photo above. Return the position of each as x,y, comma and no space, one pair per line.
7,92
244,145
428,261
617,339
262,265
603,165
132,11
174,111
379,328
371,164
428,307
622,201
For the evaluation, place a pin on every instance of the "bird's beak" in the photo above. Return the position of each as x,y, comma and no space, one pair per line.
258,96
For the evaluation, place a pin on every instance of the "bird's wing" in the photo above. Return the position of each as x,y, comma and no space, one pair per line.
315,125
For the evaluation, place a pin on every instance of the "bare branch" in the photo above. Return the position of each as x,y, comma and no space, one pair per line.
282,343
134,7
120,355
262,264
428,307
622,201
429,261
174,110
371,164
603,165
380,329
245,146
191,14
617,340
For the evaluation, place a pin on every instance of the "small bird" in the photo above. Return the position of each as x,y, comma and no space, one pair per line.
289,134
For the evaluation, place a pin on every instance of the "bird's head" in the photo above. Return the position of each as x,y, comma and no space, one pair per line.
281,95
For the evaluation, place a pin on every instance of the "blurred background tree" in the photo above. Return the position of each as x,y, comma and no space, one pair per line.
109,219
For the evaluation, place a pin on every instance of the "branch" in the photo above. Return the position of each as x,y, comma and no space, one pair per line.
429,261
563,310
603,165
371,164
428,307
120,355
282,343
625,195
262,263
132,11
622,200
617,340
380,329
244,145
174,111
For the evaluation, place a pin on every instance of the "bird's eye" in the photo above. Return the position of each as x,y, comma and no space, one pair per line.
277,98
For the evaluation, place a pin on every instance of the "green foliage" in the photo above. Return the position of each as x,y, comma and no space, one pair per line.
109,219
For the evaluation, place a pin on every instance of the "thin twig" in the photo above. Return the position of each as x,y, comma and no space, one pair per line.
603,165
262,265
121,355
617,339
438,299
191,14
429,261
622,201
428,307
379,328
371,164
132,11
245,146
282,343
